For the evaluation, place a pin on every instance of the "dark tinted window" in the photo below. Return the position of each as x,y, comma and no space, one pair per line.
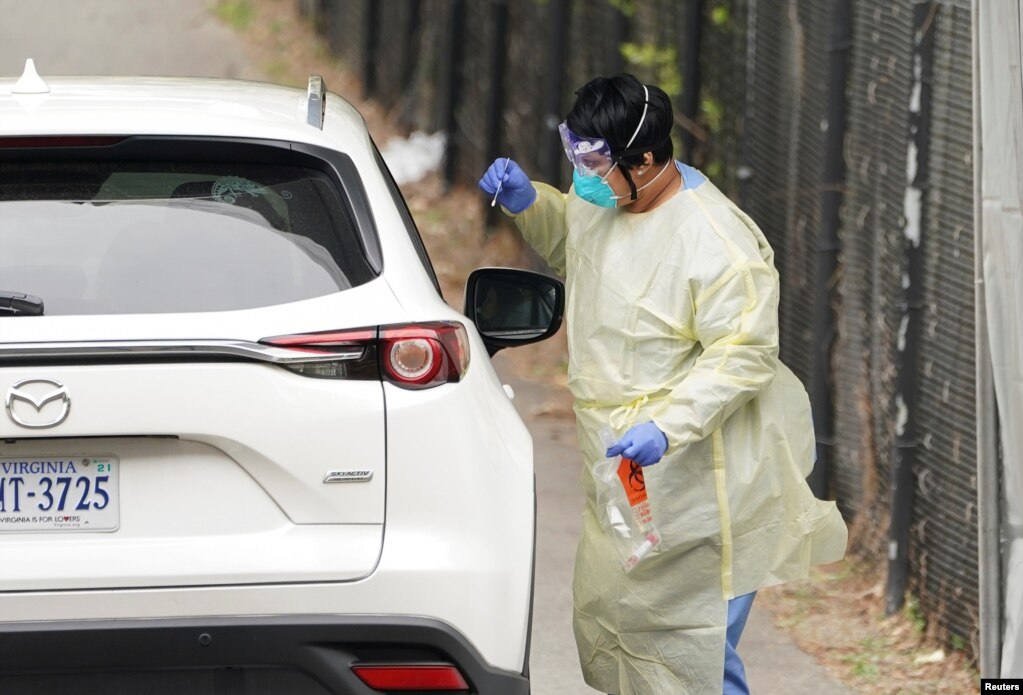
129,237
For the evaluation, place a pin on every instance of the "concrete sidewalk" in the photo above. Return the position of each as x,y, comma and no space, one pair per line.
774,664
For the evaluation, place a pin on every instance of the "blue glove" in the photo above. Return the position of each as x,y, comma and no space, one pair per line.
513,188
645,444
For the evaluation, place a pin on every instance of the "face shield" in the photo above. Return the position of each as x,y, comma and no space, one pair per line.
589,156
592,156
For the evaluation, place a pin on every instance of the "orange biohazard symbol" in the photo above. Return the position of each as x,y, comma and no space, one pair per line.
631,475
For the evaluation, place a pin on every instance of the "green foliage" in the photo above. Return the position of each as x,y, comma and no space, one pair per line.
235,13
865,661
720,15
660,63
915,615
722,19
714,169
863,669
626,7
713,114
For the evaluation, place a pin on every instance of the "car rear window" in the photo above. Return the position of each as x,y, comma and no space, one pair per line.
115,237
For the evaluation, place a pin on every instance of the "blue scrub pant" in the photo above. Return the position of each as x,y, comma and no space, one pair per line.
735,673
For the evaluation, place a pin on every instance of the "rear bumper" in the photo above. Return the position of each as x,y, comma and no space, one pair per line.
237,655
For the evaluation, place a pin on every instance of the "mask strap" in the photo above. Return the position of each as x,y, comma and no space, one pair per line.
632,186
642,120
635,190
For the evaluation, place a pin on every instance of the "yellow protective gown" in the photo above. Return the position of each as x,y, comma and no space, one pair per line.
672,316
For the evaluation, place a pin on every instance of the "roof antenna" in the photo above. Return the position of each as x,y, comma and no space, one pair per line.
30,81
316,101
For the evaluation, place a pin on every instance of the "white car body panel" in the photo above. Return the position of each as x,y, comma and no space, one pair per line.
448,554
257,416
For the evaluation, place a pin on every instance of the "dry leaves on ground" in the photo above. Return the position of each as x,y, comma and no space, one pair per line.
838,616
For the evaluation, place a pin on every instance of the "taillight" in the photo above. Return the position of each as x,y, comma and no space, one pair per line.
413,356
412,677
424,354
348,354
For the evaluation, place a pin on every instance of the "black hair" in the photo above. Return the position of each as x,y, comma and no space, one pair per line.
611,107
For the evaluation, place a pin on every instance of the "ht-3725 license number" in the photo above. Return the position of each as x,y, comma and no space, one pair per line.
58,493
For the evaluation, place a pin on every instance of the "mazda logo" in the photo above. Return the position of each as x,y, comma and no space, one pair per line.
28,403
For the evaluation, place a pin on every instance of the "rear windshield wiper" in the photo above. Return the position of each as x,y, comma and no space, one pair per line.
20,304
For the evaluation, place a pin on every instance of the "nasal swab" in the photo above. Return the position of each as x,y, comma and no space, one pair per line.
500,183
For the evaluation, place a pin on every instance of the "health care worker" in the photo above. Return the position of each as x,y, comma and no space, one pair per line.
672,320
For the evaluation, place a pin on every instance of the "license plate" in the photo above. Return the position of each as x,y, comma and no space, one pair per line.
58,493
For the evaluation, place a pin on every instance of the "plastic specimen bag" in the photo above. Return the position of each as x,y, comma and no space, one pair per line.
624,508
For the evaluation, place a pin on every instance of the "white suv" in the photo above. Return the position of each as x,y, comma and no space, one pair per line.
246,447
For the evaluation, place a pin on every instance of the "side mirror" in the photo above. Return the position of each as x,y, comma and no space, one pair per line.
513,307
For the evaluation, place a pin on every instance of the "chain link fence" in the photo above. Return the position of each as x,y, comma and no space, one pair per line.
499,75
